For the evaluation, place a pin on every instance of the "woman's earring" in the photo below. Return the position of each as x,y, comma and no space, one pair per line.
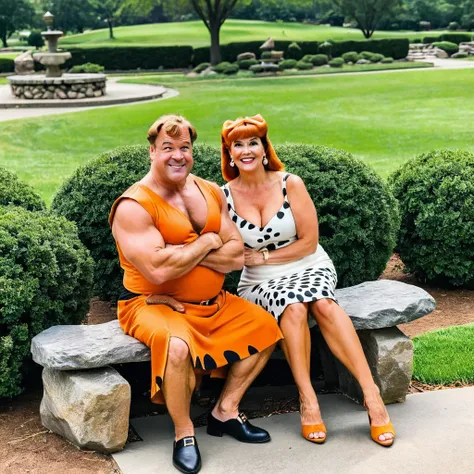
232,162
265,161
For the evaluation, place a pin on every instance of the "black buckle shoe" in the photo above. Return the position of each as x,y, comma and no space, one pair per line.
240,428
186,456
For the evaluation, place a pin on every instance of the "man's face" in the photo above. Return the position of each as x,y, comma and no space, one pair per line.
171,157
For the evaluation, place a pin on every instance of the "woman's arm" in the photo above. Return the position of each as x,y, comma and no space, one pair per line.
306,221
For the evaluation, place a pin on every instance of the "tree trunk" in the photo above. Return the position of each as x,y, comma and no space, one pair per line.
215,44
111,29
4,41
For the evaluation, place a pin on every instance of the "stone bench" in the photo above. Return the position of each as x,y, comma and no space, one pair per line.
88,402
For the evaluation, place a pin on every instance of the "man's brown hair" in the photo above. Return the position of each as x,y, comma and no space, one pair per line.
173,125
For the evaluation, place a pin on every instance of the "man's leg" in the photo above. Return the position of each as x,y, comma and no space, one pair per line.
239,378
178,386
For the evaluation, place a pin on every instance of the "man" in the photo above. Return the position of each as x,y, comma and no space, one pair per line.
175,242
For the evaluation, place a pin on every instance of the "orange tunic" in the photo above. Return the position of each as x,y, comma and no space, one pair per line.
228,330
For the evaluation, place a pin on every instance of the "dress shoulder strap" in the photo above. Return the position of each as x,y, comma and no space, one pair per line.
228,195
283,186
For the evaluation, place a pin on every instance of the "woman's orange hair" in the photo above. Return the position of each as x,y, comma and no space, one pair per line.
244,128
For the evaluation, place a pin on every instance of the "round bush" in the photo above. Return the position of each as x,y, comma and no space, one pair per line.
294,52
325,48
219,68
45,280
350,57
87,197
453,26
376,58
87,68
387,60
319,59
447,46
366,55
232,69
35,39
287,64
266,55
246,63
256,68
336,62
201,67
436,196
307,58
303,66
15,192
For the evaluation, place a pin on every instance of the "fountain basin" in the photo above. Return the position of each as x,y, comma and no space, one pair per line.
68,86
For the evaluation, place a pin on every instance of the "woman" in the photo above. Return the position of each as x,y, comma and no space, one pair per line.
287,272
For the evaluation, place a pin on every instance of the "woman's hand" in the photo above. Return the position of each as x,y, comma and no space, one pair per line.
252,258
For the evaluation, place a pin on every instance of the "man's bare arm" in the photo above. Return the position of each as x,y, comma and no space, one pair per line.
143,245
230,256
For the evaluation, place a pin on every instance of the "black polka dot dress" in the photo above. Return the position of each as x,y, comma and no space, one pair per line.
274,287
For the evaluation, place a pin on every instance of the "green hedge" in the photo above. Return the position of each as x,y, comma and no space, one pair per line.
436,196
133,57
456,37
6,65
447,46
357,214
396,48
17,193
431,39
45,280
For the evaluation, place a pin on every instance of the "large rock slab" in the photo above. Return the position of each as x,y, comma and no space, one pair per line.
384,303
390,356
86,347
90,408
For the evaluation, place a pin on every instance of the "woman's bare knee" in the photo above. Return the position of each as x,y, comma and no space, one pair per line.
295,314
323,309
178,351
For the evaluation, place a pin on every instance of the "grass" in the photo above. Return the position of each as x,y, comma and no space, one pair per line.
445,356
3,81
9,55
194,33
384,119
182,78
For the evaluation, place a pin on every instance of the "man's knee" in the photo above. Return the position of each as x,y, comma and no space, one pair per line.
295,314
178,351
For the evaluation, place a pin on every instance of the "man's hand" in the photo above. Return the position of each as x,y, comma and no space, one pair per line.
214,240
169,301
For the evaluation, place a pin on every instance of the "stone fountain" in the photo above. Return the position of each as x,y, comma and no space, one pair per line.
54,84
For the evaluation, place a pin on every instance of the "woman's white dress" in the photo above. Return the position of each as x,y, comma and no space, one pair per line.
274,287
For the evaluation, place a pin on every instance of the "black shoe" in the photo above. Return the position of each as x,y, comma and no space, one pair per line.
240,428
186,457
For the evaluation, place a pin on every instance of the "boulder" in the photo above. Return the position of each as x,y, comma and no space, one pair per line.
390,356
363,61
243,56
89,408
208,72
439,53
24,64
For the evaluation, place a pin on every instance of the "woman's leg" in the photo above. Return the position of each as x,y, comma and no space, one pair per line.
341,337
297,349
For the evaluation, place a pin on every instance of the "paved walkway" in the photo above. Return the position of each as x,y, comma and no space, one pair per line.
434,435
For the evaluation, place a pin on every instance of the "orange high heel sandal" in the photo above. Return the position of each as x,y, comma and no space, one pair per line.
306,430
376,431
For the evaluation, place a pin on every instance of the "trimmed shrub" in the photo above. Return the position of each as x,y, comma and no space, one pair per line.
246,63
450,48
303,66
376,58
453,26
231,69
307,58
456,37
266,55
123,58
416,41
88,68
366,55
17,193
287,64
294,51
387,60
219,68
319,59
87,197
350,57
396,48
336,62
35,39
325,48
45,279
201,67
436,196
6,65
256,68
431,39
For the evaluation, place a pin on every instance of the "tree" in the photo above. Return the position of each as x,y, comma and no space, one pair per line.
13,16
70,15
35,39
109,11
367,13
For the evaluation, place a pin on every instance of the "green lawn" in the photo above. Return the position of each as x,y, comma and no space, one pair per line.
445,356
3,81
384,119
194,33
174,79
